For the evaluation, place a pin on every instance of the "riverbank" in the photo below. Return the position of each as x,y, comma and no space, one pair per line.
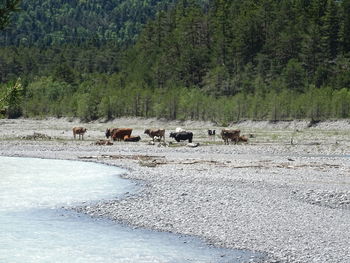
285,193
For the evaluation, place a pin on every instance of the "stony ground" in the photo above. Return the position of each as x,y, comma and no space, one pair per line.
286,193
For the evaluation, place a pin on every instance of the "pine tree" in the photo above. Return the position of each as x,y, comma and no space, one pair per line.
330,30
317,10
294,75
6,8
221,23
311,48
345,26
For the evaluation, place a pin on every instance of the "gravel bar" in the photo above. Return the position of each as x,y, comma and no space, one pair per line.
286,193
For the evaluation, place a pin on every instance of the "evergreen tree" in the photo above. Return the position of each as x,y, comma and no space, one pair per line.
294,75
345,26
330,30
6,8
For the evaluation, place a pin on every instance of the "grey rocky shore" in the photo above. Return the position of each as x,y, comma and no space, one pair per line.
286,193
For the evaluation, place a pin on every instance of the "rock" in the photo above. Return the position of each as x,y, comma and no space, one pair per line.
192,144
162,144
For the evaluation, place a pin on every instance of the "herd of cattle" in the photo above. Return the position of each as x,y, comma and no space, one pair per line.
124,134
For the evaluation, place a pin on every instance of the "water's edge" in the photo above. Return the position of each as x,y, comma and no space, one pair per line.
126,225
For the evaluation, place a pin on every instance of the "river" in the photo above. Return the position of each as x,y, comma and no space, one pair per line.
35,228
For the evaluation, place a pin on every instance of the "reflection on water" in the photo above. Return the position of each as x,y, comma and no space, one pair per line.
33,227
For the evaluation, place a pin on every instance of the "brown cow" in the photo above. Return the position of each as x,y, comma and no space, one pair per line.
132,138
118,134
109,132
156,133
80,131
230,134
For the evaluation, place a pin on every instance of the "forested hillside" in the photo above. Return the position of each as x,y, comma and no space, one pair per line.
221,60
58,22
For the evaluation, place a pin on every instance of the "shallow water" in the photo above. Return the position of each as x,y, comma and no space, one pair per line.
34,227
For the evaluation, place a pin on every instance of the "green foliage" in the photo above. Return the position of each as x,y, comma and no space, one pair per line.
7,7
11,100
331,30
294,75
318,103
345,26
58,22
220,60
341,103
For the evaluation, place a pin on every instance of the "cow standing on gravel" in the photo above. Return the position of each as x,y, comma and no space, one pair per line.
232,135
182,136
160,133
118,134
80,131
211,134
109,132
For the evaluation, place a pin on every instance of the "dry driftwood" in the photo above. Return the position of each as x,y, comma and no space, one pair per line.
36,136
120,156
104,142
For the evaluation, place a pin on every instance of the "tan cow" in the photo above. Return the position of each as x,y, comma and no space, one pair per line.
80,131
156,133
230,134
243,138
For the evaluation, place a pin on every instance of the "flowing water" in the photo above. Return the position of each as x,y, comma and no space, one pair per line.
34,227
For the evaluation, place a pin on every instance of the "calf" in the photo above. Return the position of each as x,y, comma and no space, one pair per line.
132,138
182,136
156,133
80,131
243,139
230,134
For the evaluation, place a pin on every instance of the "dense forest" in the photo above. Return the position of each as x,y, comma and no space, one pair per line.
57,22
6,8
219,60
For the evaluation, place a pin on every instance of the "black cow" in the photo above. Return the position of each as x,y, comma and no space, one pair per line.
211,134
182,136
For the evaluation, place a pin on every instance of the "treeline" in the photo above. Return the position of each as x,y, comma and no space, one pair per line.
220,60
106,97
66,63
